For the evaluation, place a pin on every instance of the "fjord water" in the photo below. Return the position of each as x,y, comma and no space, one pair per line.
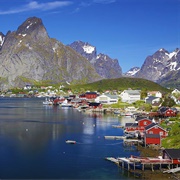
32,142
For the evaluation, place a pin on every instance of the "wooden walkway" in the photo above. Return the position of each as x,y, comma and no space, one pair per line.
136,161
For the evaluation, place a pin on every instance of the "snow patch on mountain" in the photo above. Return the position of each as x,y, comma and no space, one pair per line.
88,49
132,72
1,40
172,54
172,66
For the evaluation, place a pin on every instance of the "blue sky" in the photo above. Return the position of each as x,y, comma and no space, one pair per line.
127,30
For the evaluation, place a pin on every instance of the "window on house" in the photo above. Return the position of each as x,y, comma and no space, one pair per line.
145,123
150,132
161,133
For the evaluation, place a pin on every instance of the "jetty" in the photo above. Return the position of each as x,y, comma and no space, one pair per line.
135,161
115,137
118,126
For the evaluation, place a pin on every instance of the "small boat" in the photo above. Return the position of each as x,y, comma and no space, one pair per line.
66,104
47,102
70,142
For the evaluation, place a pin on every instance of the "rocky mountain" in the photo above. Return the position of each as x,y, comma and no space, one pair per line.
29,55
106,67
161,67
132,72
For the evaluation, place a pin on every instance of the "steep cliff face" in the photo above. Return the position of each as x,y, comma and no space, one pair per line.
171,73
106,67
160,65
29,53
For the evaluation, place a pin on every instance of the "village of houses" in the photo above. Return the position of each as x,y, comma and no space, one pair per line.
146,128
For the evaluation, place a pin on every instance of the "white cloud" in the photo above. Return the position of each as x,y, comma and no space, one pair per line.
34,5
104,1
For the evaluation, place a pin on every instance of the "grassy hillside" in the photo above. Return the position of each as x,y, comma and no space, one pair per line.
120,84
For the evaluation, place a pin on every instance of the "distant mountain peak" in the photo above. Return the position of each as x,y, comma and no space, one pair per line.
103,64
33,26
161,66
29,55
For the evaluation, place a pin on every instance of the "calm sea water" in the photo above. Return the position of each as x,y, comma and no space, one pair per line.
32,142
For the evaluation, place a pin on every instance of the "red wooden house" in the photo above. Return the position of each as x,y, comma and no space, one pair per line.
167,112
143,122
139,125
88,95
131,127
91,95
155,129
152,139
173,154
95,105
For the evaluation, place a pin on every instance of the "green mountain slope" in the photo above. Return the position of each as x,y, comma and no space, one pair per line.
121,84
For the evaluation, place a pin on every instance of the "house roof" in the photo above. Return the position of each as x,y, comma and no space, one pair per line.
173,153
94,104
151,98
152,125
112,96
90,93
133,92
142,118
152,135
164,109
131,125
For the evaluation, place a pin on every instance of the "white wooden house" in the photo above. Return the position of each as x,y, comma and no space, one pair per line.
155,94
107,99
130,96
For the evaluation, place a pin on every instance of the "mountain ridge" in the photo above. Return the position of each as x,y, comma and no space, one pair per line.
105,66
29,53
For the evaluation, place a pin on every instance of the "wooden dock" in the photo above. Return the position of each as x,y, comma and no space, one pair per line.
134,161
115,137
118,126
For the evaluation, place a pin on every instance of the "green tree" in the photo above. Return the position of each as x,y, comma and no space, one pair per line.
169,102
143,94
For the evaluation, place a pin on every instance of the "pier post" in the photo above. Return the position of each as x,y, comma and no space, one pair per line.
152,167
143,167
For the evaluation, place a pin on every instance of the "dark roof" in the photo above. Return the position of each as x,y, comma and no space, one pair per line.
90,93
149,126
163,109
173,153
94,104
152,125
150,99
131,125
142,118
152,135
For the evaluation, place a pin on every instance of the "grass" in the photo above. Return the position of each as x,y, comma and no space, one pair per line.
173,139
120,84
